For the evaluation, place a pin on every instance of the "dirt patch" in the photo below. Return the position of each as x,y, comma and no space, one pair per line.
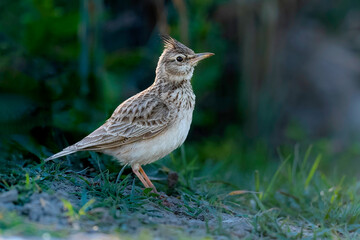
208,221
163,220
45,209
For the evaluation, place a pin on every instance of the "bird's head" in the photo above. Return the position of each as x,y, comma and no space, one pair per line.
177,62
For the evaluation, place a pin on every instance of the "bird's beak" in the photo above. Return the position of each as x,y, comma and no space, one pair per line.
200,56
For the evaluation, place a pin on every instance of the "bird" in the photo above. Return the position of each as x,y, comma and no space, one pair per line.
153,123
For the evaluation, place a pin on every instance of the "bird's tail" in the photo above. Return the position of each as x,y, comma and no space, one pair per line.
66,151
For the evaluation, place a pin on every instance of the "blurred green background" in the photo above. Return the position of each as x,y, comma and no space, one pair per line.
285,75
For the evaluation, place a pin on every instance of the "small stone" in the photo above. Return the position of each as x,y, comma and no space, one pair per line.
172,179
9,196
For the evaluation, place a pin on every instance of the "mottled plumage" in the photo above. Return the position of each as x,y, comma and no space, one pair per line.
154,122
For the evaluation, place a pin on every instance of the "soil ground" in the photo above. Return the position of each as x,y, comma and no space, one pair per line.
161,217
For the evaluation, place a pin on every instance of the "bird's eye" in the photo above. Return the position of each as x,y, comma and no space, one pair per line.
179,59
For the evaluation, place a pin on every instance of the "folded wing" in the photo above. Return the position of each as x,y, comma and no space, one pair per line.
140,117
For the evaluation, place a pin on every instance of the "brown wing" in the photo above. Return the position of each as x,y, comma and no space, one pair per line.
140,117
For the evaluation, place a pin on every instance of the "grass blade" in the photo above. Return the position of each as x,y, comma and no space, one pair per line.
120,173
257,181
272,182
306,157
313,170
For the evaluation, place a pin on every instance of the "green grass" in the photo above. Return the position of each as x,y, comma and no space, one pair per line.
299,196
296,200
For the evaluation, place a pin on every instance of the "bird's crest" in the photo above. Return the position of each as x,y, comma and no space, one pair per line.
171,43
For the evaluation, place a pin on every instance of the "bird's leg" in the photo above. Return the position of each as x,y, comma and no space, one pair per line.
147,179
135,169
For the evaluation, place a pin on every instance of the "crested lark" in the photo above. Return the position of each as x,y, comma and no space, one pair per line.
154,122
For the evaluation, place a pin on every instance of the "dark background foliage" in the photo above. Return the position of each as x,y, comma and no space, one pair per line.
284,73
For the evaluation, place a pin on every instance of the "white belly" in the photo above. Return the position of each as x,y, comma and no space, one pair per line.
150,150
